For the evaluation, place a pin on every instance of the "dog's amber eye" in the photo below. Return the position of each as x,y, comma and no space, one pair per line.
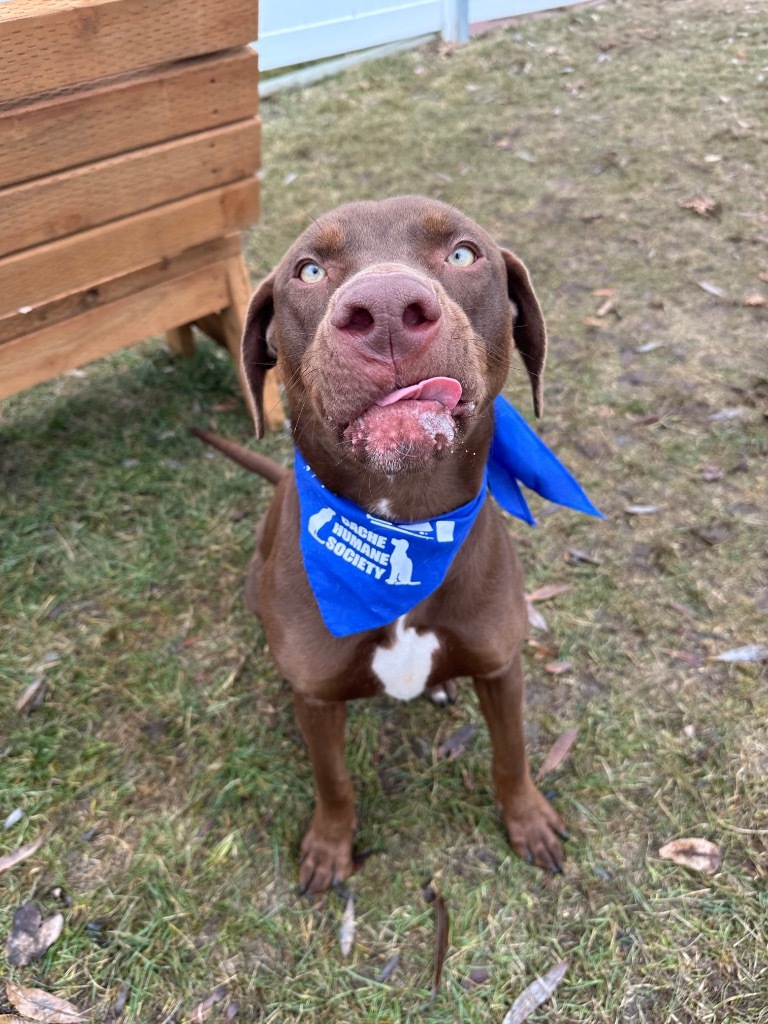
462,256
310,273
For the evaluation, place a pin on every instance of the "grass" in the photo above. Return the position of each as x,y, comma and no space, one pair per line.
164,766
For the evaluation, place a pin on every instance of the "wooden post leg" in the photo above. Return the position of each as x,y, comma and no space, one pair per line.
211,325
180,340
233,322
274,414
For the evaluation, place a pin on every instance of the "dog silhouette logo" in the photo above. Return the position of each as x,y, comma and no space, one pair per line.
318,521
401,566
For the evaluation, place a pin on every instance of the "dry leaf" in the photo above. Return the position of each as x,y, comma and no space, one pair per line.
592,321
50,930
557,752
605,308
477,976
702,205
548,591
542,651
751,652
42,1006
537,993
683,609
30,936
575,555
201,1011
386,971
10,860
347,929
227,405
457,743
715,535
441,941
642,510
13,818
556,668
117,1008
711,471
33,696
535,618
697,854
692,658
736,412
644,421
604,293
712,289
755,299
11,1018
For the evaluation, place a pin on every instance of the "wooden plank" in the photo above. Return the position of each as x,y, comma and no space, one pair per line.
49,44
51,351
212,326
274,413
81,300
140,110
62,204
233,317
181,340
51,271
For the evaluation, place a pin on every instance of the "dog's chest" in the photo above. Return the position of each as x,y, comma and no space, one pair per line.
404,665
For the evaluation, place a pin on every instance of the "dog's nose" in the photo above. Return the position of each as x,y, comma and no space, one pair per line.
389,314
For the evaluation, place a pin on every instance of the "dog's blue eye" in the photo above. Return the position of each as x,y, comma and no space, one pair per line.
462,256
310,273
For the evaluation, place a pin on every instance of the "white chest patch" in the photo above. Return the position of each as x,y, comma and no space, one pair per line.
404,667
382,507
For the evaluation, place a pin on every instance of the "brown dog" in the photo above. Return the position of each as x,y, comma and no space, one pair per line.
374,308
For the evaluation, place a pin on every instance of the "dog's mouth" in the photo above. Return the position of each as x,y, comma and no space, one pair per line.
410,425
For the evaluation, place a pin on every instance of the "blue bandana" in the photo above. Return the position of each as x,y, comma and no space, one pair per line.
366,572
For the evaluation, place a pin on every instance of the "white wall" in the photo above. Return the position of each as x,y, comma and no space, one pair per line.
298,31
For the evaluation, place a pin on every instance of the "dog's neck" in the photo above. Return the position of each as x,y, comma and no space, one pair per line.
431,491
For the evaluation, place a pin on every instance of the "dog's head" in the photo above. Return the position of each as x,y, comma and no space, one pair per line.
393,323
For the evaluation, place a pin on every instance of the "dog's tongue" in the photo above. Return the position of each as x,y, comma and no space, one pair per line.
444,390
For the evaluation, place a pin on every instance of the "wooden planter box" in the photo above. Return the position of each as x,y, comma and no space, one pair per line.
130,143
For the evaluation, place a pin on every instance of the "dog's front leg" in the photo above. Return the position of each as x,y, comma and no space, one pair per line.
326,850
532,824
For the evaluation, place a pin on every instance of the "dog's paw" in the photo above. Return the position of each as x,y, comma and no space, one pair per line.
444,693
535,829
324,862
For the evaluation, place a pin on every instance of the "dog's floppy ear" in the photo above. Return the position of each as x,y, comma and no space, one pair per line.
256,354
529,331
